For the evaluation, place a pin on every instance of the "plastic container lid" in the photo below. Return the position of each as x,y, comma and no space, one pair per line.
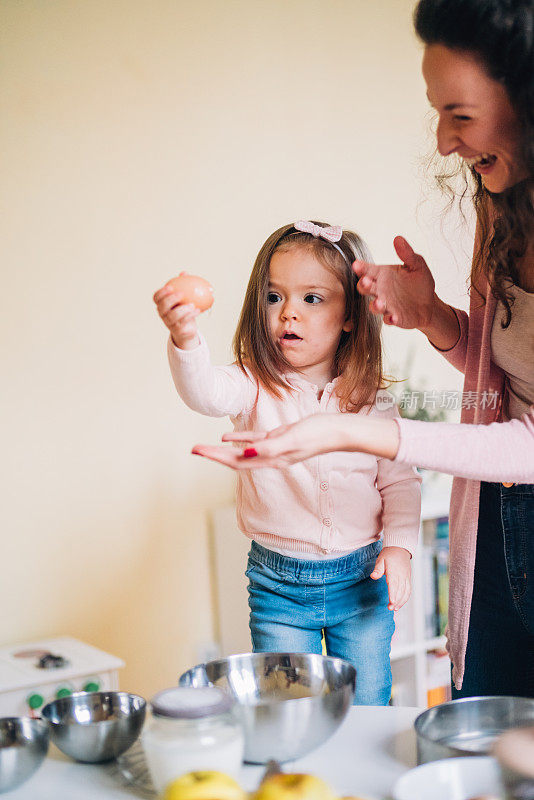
186,702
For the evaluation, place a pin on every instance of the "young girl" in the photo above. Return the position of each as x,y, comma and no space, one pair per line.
307,343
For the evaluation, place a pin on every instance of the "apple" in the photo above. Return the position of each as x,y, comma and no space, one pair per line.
204,785
193,290
297,786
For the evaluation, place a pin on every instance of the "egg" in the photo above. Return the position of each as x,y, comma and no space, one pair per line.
193,290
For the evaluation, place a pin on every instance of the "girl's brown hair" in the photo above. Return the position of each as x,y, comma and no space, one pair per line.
358,359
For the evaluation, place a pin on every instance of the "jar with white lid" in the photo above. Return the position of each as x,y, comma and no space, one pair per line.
192,729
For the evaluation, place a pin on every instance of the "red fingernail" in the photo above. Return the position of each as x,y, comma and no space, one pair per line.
250,452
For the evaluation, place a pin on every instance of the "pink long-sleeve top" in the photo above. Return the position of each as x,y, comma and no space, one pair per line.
330,503
481,447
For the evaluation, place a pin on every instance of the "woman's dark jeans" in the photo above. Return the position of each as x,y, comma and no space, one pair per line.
500,647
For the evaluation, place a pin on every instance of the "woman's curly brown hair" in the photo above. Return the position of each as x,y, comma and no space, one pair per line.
500,34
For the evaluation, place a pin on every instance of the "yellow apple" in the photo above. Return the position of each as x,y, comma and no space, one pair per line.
351,797
285,786
204,785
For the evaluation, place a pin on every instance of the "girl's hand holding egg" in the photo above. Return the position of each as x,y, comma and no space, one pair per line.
179,302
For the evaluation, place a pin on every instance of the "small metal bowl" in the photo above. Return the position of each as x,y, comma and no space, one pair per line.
95,726
23,746
288,703
468,727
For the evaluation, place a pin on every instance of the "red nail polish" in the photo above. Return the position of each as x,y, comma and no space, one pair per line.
250,452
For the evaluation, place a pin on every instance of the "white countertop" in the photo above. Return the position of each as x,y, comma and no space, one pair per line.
371,749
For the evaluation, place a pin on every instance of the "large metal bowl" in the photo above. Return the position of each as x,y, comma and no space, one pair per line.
95,726
23,746
288,703
468,727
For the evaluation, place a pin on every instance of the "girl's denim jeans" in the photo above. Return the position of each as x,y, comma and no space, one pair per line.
294,601
500,646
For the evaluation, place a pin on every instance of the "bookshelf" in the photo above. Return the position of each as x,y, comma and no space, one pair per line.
412,653
419,662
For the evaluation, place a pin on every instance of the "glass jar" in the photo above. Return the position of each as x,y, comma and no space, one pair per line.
192,729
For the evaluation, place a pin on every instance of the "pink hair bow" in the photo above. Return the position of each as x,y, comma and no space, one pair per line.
331,233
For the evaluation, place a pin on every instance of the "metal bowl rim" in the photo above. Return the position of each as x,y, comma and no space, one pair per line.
273,654
282,654
71,721
253,656
459,701
35,722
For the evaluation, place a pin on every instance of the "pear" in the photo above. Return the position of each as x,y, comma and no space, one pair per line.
204,785
286,786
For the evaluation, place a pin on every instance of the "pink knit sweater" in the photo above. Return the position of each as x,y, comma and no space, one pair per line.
333,502
484,449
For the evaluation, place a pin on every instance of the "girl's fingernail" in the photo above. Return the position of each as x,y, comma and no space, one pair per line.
250,452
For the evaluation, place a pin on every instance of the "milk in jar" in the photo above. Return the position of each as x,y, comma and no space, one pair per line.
192,729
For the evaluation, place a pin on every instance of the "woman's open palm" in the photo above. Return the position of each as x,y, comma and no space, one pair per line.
278,448
403,293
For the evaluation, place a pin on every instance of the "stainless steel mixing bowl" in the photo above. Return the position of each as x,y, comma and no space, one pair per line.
468,727
289,703
95,726
23,746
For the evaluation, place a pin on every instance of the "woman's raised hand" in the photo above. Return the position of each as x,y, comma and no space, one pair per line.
403,293
178,317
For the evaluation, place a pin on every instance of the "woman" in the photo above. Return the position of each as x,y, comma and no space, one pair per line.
479,69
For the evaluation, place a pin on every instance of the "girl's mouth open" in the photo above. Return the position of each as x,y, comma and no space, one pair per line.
288,338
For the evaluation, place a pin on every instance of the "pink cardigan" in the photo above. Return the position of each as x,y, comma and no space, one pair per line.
484,449
334,502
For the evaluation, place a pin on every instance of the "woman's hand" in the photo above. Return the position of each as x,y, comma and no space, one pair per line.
312,436
394,563
404,294
178,317
281,447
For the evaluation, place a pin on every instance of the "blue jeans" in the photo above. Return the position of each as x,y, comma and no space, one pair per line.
500,646
293,602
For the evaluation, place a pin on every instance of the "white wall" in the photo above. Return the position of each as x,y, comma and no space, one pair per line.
139,138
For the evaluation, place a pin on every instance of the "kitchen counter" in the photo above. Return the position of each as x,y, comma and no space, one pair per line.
371,749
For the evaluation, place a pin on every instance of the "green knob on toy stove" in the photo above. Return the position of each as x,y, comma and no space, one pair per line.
63,693
35,701
92,686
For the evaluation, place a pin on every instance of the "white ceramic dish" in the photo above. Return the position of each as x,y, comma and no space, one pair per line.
451,779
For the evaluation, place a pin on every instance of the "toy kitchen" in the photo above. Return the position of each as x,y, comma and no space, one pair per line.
32,674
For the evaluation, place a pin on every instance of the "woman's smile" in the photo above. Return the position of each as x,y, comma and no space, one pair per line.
476,120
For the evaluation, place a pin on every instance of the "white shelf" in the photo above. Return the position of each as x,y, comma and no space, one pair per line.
409,656
411,648
436,492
